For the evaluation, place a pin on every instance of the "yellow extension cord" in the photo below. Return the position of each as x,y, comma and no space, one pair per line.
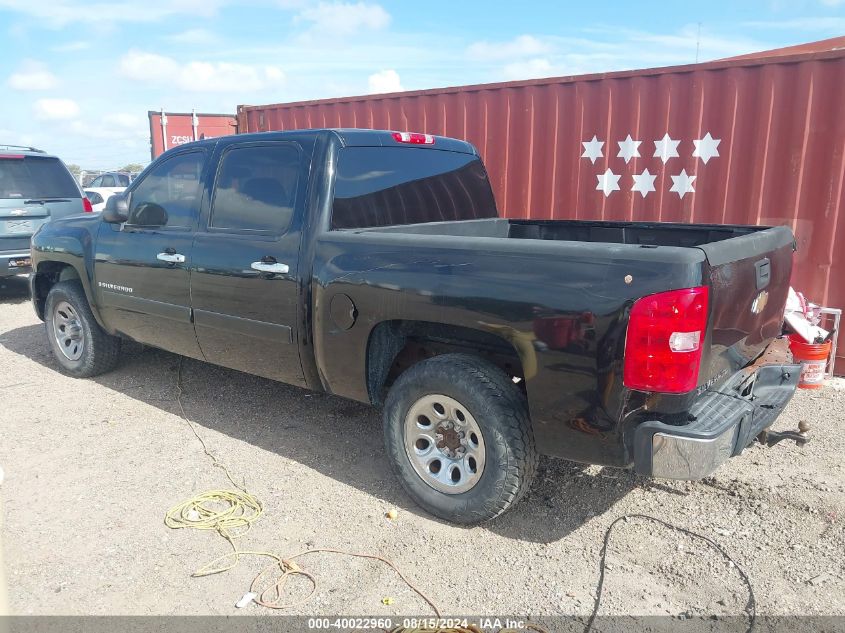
231,514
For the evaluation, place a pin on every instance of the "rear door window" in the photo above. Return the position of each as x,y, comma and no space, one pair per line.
256,188
35,177
169,195
382,186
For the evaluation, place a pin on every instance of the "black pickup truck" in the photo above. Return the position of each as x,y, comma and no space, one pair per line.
373,265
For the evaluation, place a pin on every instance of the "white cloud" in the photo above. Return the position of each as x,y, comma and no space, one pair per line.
823,24
192,36
608,49
59,13
384,81
124,120
117,126
71,47
143,66
32,75
688,39
55,109
522,46
530,69
198,76
343,18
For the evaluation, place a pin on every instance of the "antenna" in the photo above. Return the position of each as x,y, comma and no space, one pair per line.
698,42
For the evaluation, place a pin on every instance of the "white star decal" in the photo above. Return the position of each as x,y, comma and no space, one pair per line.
682,183
608,182
706,148
643,182
666,148
592,149
628,148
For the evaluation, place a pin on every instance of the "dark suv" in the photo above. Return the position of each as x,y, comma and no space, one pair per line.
34,187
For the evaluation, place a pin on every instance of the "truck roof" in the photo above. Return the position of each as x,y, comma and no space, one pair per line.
354,137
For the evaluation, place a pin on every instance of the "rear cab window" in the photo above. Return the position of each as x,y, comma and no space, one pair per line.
35,178
383,186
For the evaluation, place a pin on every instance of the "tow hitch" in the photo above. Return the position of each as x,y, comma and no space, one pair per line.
800,437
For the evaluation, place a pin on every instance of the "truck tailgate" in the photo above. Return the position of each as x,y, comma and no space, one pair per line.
749,281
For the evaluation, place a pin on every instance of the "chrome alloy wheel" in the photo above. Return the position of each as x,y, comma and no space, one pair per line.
67,330
444,444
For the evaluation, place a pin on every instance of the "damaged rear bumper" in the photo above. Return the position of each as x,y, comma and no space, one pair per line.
722,423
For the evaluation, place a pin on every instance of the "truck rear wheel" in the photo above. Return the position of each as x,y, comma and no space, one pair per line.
459,438
81,347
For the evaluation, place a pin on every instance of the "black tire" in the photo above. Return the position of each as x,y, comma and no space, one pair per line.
100,352
499,409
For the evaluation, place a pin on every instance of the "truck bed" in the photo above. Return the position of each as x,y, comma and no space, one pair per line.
573,277
640,233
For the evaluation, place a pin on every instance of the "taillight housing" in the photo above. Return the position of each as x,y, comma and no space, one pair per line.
664,342
86,205
414,138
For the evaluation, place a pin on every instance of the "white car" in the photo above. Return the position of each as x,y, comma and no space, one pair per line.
113,181
98,196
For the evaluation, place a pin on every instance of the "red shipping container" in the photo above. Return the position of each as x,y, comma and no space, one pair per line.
180,129
751,140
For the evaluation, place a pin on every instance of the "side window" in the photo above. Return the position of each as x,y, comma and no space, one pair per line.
108,181
256,188
93,197
97,182
381,186
122,180
169,195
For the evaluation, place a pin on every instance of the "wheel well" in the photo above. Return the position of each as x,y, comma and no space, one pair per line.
47,276
394,346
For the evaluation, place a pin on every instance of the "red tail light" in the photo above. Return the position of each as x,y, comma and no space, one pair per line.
665,336
86,205
413,138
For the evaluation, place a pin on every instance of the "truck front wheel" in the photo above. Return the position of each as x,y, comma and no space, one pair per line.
459,438
81,347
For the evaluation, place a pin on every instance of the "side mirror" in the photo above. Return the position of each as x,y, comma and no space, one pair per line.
117,210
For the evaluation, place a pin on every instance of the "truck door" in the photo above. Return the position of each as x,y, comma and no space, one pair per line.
141,266
244,289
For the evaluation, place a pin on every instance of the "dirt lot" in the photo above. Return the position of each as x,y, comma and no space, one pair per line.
91,467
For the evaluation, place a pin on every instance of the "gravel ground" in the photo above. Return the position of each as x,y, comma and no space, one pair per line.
91,467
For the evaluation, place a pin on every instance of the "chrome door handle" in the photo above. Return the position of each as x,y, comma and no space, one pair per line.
264,267
172,258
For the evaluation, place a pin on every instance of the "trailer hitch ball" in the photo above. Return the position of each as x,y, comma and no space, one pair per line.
800,437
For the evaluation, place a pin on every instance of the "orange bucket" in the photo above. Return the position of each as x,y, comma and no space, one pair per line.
813,358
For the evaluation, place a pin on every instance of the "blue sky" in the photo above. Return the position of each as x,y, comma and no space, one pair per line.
78,76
